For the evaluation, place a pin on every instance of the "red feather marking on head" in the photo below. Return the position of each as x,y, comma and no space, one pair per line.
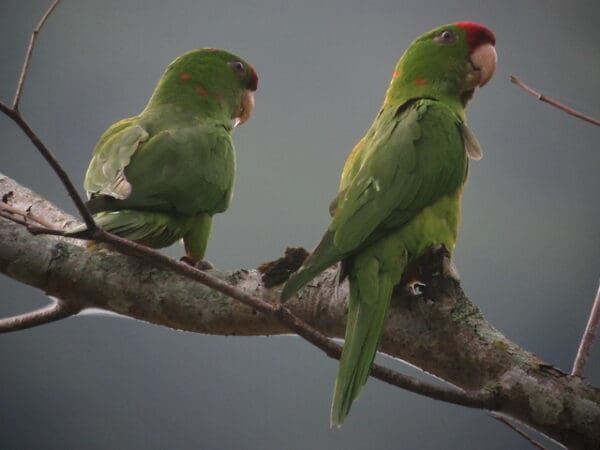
201,91
477,34
421,81
185,76
253,79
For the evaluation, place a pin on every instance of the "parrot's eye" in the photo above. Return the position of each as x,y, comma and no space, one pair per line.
238,67
446,37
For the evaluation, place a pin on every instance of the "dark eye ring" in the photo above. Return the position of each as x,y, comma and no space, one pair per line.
238,66
446,37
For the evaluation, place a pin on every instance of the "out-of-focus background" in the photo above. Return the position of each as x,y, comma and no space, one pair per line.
529,251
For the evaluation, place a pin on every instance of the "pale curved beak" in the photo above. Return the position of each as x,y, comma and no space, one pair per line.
246,108
484,60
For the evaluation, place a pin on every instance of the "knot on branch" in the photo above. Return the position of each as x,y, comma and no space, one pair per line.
278,271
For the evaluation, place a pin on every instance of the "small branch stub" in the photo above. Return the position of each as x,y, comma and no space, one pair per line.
51,313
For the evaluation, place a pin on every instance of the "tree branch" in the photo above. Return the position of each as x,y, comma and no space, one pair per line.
555,103
585,346
483,399
447,337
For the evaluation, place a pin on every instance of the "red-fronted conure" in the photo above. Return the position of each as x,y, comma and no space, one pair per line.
400,188
160,176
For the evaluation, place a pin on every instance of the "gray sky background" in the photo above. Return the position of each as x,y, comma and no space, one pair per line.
529,250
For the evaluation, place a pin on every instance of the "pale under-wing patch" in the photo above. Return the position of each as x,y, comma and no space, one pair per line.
472,146
106,174
120,188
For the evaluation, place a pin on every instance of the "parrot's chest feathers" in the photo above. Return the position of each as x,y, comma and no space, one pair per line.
437,224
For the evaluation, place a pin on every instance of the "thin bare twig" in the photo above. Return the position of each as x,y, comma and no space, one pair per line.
51,313
25,69
517,430
550,101
585,346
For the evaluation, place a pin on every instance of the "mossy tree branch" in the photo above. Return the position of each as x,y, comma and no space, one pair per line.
444,334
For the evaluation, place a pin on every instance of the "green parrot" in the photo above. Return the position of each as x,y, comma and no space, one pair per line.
400,188
160,176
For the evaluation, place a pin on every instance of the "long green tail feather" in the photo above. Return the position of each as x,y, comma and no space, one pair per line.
367,311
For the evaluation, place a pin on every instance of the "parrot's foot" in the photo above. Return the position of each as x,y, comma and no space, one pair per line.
416,288
422,276
200,264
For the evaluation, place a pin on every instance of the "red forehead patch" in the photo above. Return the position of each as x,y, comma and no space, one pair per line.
477,34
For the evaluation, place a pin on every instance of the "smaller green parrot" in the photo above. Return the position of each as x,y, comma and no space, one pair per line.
400,189
160,176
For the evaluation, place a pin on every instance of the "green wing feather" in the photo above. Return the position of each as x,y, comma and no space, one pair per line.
189,170
155,188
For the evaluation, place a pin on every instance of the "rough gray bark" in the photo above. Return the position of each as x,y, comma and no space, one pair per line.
445,335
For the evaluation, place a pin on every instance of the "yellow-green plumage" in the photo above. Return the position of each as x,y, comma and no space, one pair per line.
160,176
399,192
